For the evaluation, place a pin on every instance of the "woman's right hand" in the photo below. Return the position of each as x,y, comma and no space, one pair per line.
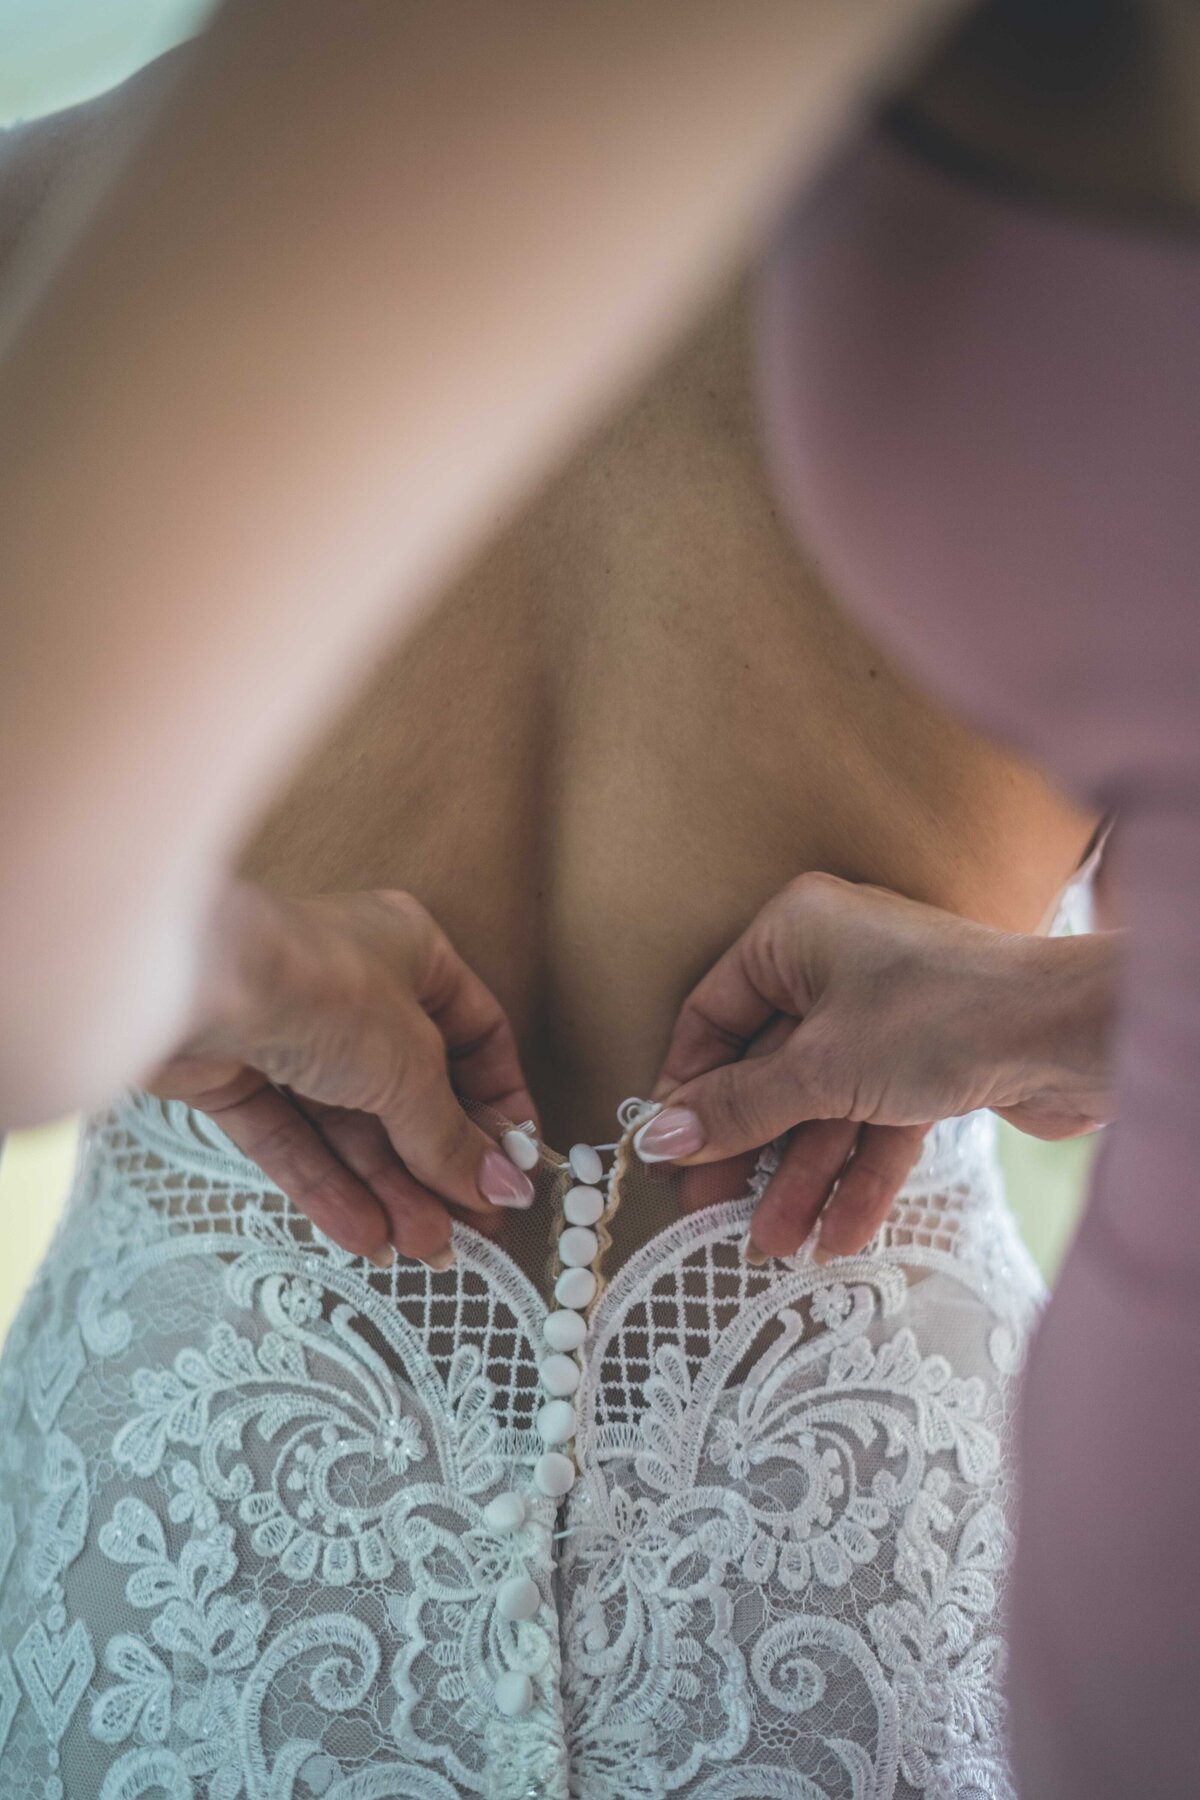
332,1038
849,1018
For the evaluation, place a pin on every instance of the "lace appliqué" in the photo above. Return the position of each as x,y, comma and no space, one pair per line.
247,1547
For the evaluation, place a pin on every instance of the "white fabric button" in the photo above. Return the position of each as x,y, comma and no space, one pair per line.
565,1330
556,1422
518,1598
507,1512
513,1693
521,1149
554,1474
585,1164
583,1205
575,1287
559,1374
577,1246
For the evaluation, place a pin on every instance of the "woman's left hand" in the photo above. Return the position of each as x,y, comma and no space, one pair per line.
850,1018
333,1039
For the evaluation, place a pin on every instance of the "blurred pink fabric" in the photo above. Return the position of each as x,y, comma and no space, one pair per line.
985,418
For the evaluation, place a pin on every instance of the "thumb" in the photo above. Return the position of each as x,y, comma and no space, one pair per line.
743,1105
445,1151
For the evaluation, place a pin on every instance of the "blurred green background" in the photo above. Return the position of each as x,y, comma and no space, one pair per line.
54,52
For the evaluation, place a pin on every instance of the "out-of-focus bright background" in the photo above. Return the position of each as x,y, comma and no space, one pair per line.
53,53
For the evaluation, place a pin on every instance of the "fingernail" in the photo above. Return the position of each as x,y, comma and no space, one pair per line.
669,1135
441,1259
502,1183
753,1254
821,1255
384,1257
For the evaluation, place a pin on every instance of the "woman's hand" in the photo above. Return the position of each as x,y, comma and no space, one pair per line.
851,1018
332,1038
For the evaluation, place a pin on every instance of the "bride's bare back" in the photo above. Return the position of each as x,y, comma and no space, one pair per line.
638,716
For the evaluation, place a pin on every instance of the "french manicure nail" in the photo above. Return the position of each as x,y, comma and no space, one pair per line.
669,1135
501,1182
753,1254
441,1259
384,1257
821,1255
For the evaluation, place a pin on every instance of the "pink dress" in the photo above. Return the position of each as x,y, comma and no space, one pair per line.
985,416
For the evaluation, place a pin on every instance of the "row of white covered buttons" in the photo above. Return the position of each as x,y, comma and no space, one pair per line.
559,1372
518,1597
566,1329
520,1146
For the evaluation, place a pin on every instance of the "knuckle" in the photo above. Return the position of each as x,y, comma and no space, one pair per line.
405,911
447,1140
737,1109
279,1148
434,1136
808,1069
412,1067
830,1070
814,888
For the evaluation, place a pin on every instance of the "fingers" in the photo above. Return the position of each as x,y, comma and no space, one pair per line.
743,1105
485,1064
722,1015
418,1224
740,1069
352,1103
438,1144
864,1166
814,1158
701,1186
465,1046
882,1161
287,1147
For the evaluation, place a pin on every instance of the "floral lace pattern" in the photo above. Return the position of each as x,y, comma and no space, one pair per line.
247,1551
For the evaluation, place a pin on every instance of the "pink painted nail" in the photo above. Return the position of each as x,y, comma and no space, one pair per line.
669,1135
501,1182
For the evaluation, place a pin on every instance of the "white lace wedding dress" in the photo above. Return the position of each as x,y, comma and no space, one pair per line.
276,1524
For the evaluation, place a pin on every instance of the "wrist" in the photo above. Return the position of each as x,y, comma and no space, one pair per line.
1060,1027
242,944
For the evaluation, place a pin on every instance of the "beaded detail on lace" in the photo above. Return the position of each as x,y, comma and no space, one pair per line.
272,1527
